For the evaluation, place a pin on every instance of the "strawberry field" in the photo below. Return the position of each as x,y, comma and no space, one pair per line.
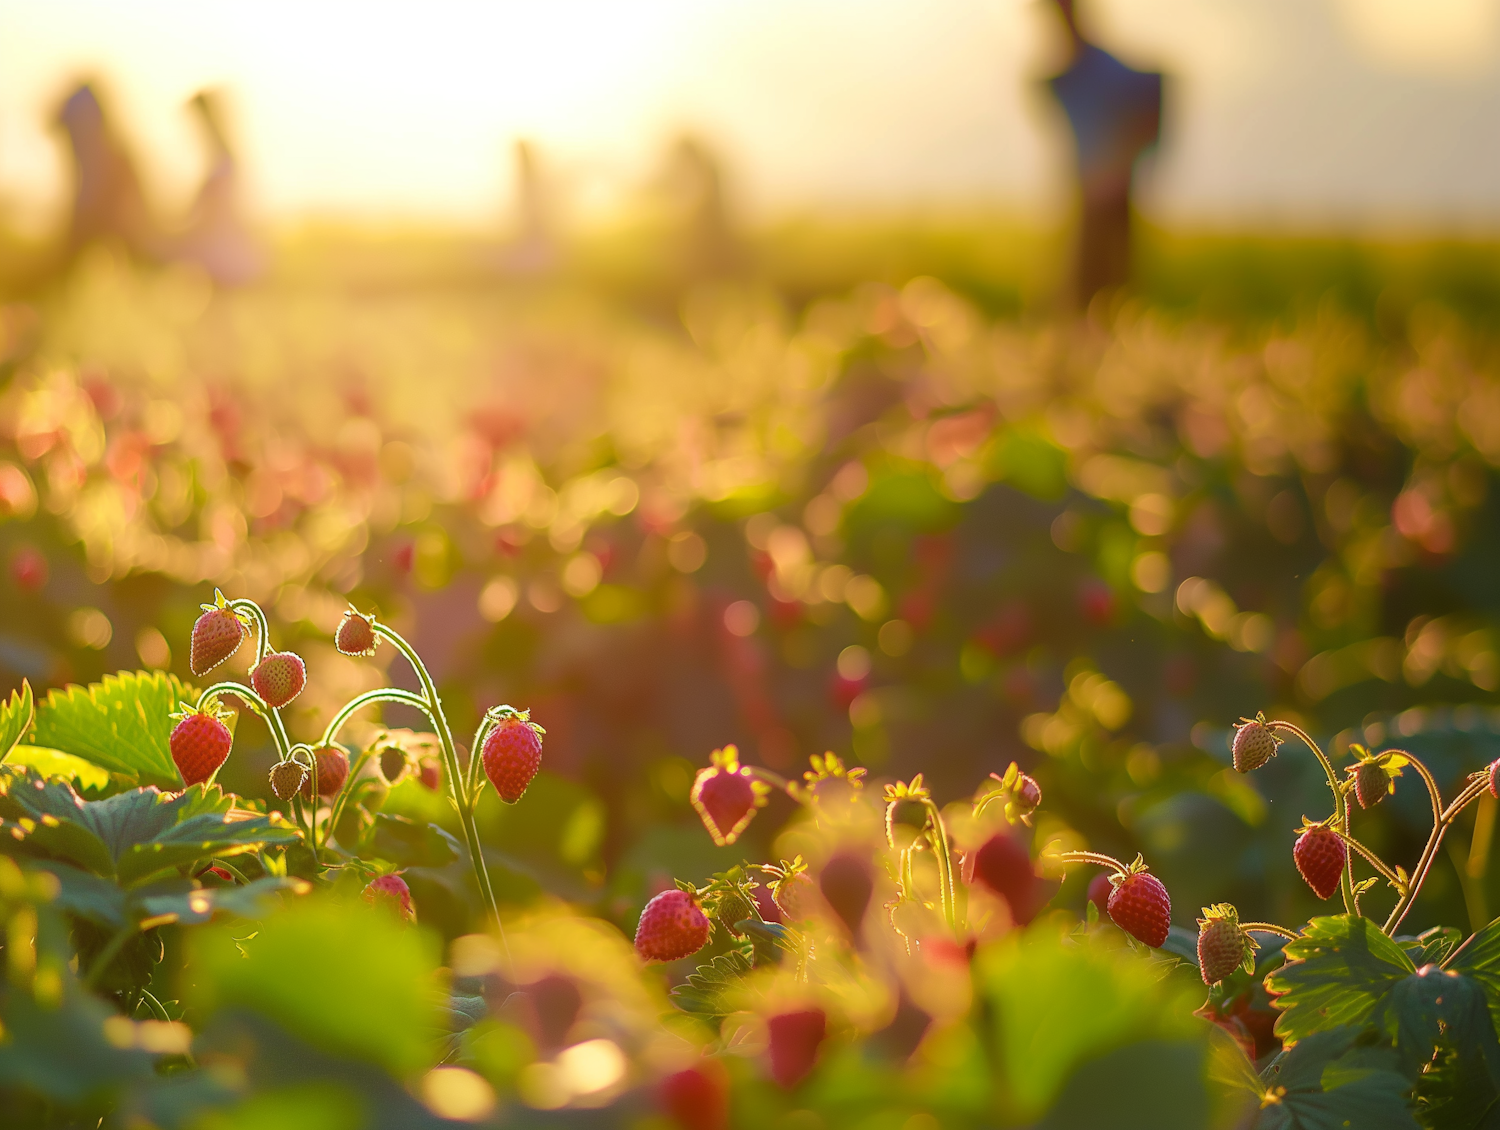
848,699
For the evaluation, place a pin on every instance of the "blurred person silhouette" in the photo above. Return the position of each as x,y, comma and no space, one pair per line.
532,251
108,204
216,237
694,185
1115,114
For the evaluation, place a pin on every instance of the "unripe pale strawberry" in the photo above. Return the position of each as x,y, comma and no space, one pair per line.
391,891
905,821
794,895
286,778
1321,855
726,795
794,1041
1254,744
697,1098
1370,783
279,678
199,743
356,634
1140,906
393,763
217,634
1003,865
512,753
847,886
672,926
1222,946
333,771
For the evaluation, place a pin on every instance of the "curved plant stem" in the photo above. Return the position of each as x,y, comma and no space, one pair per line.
262,626
234,871
1340,806
107,954
155,1006
777,781
1269,928
1469,794
358,702
471,774
944,861
1092,857
462,801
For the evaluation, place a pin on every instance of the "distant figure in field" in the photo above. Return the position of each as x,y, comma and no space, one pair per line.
532,251
216,237
108,204
1115,112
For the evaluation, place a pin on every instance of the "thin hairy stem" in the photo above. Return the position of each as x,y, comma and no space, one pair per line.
462,801
1469,794
944,862
471,774
359,702
262,626
1092,857
1340,806
1374,861
1269,928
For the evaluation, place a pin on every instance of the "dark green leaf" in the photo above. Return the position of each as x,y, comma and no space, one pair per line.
59,1051
1337,972
1479,958
15,718
198,838
407,843
1151,1085
1183,943
1442,1015
122,723
1326,1082
708,990
1432,945
184,901
87,896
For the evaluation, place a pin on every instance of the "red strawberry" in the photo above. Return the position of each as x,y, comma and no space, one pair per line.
795,1039
766,904
28,568
333,771
1321,857
286,778
430,773
1028,793
215,873
1100,888
1003,865
391,891
356,634
1495,779
847,886
1254,744
698,1097
1370,783
1140,906
217,634
1222,946
199,742
512,752
726,796
672,926
279,678
554,1004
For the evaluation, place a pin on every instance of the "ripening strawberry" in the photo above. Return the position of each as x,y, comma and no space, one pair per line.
794,895
1371,783
199,743
393,764
1003,865
1140,906
697,1098
725,796
356,634
218,874
847,886
672,926
794,1041
279,678
1321,855
217,634
286,778
391,891
333,771
1254,744
1222,946
1028,793
512,753
430,773
1495,779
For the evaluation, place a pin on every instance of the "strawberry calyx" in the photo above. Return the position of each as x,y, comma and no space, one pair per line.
504,713
211,707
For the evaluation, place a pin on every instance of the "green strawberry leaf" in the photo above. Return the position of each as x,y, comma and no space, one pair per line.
1446,1044
1432,945
708,989
132,835
1479,958
1183,943
121,724
1337,973
89,779
1327,1082
171,900
407,843
16,717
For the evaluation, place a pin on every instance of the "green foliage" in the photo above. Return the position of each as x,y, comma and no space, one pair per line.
122,724
712,991
1337,973
1330,1081
133,835
15,718
407,843
344,976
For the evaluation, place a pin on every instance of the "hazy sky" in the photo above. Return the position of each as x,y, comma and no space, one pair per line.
1298,112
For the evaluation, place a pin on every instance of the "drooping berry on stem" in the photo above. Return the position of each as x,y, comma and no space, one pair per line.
512,752
672,926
